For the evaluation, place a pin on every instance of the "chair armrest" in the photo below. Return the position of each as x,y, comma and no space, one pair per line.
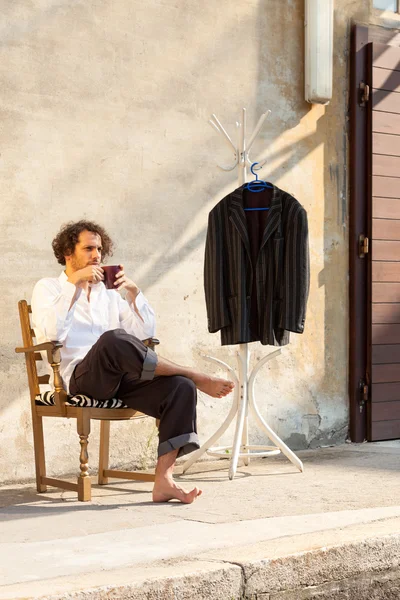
151,342
38,347
52,350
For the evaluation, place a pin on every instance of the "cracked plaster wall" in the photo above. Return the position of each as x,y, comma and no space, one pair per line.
104,115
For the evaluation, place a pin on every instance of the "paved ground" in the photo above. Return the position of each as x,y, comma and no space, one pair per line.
51,545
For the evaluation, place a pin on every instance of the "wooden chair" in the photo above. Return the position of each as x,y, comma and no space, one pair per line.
62,406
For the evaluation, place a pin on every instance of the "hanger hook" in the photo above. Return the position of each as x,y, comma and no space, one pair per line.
251,169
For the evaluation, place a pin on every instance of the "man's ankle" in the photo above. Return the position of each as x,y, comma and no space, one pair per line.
161,479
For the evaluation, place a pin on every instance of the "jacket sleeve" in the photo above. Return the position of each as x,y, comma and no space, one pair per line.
296,273
214,285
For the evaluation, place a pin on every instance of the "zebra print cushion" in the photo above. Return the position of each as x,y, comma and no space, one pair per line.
47,399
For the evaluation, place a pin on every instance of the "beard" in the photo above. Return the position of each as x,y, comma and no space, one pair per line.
79,263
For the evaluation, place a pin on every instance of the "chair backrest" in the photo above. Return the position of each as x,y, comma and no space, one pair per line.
28,338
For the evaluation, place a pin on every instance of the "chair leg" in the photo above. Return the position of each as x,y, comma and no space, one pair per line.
84,483
38,444
104,451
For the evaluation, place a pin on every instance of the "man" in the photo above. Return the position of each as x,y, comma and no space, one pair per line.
103,355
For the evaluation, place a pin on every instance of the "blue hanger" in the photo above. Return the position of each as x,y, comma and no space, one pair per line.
257,185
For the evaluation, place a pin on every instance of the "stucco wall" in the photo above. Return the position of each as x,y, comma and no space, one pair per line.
104,109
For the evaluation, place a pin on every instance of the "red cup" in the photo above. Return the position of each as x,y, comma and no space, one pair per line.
110,275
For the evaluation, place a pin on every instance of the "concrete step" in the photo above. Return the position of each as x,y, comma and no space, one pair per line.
354,561
272,533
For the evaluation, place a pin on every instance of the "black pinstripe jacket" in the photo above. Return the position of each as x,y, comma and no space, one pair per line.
281,271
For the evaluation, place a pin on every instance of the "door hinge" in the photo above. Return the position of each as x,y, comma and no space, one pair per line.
363,245
364,394
364,93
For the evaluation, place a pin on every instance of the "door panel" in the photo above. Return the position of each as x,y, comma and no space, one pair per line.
385,123
386,208
386,313
385,143
385,101
386,333
385,79
385,392
386,354
387,187
386,271
385,250
385,374
384,229
385,430
385,292
385,411
387,166
384,323
386,57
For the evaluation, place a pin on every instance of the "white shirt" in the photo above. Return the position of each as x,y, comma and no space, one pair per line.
81,326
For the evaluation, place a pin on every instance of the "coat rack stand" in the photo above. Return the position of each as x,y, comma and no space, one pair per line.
244,400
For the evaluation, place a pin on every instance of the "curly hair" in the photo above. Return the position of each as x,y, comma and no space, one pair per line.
65,241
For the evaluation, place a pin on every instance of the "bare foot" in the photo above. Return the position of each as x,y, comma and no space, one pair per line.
213,386
166,489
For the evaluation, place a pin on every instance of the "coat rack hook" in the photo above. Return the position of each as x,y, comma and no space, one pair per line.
257,129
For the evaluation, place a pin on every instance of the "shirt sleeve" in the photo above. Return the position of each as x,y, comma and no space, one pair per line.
141,328
51,314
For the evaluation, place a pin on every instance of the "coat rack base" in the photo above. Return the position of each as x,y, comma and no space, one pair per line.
243,404
246,451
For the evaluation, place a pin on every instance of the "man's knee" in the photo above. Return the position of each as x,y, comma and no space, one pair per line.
115,336
185,387
110,336
127,353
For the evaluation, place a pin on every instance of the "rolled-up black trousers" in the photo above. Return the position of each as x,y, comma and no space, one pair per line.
120,366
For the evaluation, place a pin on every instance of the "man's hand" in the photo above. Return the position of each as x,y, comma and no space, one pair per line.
123,282
92,274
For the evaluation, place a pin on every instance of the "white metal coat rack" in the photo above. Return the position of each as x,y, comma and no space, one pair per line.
243,401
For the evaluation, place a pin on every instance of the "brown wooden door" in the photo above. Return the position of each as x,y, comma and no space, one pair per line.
384,263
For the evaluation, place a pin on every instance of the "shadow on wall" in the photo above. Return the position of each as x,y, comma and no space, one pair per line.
276,90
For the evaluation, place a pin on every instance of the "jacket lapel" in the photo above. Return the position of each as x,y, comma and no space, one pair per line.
274,217
238,217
